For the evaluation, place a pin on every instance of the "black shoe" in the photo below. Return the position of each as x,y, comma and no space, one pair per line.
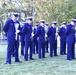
73,58
32,59
8,63
18,61
25,59
43,57
39,57
55,55
51,55
69,59
61,54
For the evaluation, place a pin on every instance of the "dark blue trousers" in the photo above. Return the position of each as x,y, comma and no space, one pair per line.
16,54
22,47
35,47
46,46
41,49
10,50
62,47
70,50
73,51
53,48
28,44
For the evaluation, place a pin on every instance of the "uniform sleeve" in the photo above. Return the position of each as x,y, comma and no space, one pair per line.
24,29
60,31
68,30
6,26
49,31
38,32
19,28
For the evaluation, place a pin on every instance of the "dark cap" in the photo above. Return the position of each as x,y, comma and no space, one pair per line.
29,18
42,21
36,25
74,20
54,22
64,23
46,24
15,14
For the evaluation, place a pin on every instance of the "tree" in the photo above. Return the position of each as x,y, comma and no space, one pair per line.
50,10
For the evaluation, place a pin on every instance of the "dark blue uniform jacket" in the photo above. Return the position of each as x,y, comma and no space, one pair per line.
51,34
27,30
41,34
62,34
70,32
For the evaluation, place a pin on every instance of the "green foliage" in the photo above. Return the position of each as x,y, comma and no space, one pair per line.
59,10
51,10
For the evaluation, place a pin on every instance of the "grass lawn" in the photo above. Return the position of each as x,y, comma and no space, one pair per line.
48,66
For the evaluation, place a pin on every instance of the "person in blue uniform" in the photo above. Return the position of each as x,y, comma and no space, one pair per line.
17,34
46,38
35,41
62,35
70,32
22,41
12,29
52,39
41,39
27,31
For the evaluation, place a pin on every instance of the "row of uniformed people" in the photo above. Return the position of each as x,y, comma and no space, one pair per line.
34,38
13,30
65,32
40,41
67,37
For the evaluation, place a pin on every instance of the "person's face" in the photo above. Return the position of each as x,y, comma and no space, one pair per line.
64,25
42,24
30,21
15,18
72,22
54,25
46,26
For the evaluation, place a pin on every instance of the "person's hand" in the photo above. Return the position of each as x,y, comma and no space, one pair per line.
18,31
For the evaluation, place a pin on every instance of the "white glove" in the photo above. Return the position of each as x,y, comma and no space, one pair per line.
32,34
17,31
45,35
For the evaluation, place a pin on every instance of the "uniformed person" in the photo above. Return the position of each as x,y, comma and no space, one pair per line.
41,39
22,41
70,32
27,31
35,41
17,34
52,39
12,29
46,38
62,35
